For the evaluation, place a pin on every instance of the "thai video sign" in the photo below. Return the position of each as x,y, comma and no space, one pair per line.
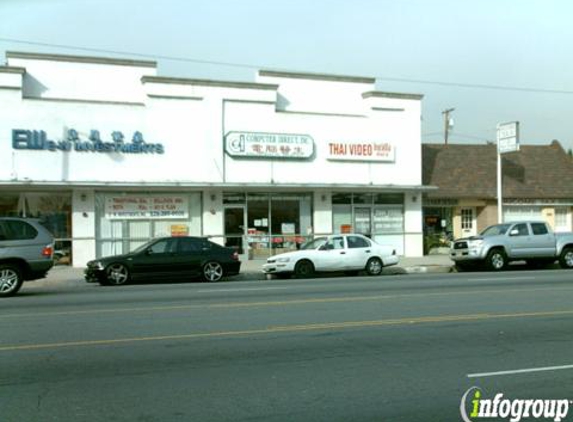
269,145
361,151
93,142
130,207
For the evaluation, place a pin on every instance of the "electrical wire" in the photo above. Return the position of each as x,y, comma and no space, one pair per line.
251,66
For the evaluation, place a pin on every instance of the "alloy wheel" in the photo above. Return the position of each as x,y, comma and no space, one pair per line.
9,280
497,261
374,267
117,274
213,271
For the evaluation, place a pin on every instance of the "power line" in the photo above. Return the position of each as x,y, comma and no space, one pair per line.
131,53
251,66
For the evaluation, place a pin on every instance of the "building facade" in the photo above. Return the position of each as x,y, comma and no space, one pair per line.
536,185
111,155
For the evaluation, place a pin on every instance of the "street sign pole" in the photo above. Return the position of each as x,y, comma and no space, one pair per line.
499,186
507,141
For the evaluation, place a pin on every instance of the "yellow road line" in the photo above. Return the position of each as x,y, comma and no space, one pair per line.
289,329
279,302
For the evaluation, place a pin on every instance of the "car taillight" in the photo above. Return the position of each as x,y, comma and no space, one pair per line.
235,256
48,251
394,252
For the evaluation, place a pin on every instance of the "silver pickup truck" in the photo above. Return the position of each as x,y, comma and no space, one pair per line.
496,246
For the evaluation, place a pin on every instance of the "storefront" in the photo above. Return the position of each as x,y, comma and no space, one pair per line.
466,200
122,156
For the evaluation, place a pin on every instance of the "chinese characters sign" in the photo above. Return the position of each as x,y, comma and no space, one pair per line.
269,145
146,207
117,142
361,151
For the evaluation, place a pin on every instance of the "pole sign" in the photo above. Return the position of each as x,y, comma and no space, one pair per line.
508,137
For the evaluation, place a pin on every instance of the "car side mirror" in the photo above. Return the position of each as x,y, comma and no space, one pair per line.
514,232
148,251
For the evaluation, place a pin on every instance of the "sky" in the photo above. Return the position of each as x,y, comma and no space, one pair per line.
493,61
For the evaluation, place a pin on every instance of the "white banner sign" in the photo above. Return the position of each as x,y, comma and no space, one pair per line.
130,207
361,151
269,145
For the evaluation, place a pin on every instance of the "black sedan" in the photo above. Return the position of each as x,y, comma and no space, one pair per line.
166,258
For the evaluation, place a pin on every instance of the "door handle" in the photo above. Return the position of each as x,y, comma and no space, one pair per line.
368,251
342,253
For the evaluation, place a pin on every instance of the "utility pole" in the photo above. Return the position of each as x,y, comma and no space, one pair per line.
447,125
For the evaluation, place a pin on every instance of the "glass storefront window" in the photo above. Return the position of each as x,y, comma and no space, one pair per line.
362,198
342,198
389,198
258,225
9,205
125,221
273,222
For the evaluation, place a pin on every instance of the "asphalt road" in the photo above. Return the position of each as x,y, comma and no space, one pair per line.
391,348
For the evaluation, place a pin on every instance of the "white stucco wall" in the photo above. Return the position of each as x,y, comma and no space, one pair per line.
190,119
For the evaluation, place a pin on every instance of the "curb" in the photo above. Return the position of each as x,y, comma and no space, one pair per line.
64,277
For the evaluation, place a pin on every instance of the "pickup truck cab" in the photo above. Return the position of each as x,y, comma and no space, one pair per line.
496,246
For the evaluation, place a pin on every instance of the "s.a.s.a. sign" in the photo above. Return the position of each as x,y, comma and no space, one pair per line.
269,145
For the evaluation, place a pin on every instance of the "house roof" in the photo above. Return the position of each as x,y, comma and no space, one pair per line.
470,171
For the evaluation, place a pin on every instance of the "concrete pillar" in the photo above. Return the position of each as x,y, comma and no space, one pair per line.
83,227
322,212
413,238
213,215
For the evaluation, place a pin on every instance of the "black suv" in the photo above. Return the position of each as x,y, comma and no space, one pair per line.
26,250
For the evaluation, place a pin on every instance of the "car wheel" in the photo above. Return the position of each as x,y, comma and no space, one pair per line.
212,271
117,274
10,280
566,258
374,266
304,269
496,260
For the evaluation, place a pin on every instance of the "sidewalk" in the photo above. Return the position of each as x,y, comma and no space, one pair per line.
251,270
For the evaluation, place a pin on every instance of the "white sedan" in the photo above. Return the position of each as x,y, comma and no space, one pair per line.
350,253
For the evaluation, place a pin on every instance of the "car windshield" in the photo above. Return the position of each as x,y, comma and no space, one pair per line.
143,247
315,243
496,230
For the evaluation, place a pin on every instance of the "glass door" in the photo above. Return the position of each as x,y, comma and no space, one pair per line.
363,220
235,229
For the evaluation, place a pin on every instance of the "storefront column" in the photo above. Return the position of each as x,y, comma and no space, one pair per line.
413,237
322,215
213,224
83,227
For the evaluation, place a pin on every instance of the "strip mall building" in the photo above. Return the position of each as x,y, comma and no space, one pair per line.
111,155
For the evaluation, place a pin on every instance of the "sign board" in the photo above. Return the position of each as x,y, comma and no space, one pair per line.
288,228
508,137
23,139
361,151
132,207
269,145
179,230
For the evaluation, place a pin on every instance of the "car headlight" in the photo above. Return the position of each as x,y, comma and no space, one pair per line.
283,259
475,243
98,265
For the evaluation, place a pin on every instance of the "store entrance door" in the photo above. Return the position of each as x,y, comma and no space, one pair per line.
363,220
235,218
